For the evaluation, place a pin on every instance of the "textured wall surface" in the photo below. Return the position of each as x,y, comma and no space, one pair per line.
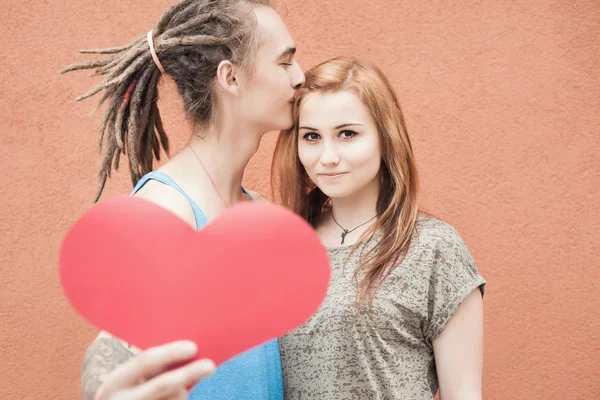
501,99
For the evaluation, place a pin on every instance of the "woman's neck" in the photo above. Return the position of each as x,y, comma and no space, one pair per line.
350,216
357,208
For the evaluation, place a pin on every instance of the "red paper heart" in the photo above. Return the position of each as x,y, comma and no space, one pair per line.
139,272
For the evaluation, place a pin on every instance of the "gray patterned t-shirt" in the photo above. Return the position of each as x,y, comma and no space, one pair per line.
387,354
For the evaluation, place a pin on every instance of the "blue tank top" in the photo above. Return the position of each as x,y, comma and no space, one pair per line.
252,375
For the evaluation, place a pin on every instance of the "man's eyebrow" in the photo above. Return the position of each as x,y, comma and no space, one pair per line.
287,52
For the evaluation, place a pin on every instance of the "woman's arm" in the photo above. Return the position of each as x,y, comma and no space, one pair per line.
458,352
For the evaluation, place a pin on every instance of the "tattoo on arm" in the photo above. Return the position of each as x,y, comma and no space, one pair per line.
104,355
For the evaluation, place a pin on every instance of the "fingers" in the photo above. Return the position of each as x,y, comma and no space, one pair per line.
170,385
147,365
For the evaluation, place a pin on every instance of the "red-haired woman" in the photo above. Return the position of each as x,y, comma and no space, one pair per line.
403,314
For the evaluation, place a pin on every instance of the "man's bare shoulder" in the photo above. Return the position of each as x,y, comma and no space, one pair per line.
168,198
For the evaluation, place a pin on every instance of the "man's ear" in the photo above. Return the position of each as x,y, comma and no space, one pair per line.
227,77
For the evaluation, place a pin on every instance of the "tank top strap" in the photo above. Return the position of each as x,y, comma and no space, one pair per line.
199,215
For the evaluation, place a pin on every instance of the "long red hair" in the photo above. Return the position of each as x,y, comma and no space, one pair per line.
397,206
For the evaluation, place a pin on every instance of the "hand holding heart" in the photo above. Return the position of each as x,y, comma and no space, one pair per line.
147,376
137,271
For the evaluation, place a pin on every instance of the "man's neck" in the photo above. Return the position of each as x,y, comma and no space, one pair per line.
222,152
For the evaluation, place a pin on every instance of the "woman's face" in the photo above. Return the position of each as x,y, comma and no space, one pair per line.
338,143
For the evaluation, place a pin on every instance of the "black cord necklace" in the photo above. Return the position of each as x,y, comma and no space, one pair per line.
346,231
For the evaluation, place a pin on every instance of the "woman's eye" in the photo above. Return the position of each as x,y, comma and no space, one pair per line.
347,134
311,136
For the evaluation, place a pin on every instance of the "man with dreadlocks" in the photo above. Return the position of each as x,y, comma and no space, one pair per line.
233,64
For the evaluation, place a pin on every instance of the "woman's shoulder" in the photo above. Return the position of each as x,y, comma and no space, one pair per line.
428,224
434,233
445,252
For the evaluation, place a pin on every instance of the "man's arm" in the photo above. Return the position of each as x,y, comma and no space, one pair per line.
104,355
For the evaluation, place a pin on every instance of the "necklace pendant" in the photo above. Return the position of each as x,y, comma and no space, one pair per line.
344,236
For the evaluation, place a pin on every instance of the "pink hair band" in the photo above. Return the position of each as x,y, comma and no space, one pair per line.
154,56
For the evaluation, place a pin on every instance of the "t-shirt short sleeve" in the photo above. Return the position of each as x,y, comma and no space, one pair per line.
454,276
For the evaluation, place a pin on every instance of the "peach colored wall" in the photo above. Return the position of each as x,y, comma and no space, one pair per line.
502,101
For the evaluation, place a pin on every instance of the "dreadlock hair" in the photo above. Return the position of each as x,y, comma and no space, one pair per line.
191,39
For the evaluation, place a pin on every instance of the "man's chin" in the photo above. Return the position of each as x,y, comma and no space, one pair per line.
285,125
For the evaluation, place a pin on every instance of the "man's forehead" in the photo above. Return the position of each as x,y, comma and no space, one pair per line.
273,32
